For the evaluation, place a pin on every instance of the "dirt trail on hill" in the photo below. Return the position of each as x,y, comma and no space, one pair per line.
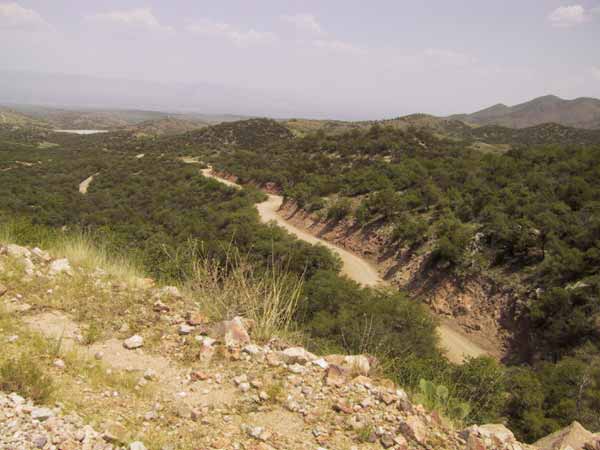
456,344
173,378
85,184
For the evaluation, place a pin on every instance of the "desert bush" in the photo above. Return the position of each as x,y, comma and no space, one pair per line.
25,376
339,210
437,398
269,297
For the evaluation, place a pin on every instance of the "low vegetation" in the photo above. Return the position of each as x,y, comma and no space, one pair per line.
530,212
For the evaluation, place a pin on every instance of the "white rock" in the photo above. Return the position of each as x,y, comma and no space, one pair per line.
171,291
298,355
59,363
28,266
17,251
206,341
252,349
240,379
321,363
133,342
41,254
401,394
41,414
60,266
137,446
244,387
16,398
150,374
185,329
297,369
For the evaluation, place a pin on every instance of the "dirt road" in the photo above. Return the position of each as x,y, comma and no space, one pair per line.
457,345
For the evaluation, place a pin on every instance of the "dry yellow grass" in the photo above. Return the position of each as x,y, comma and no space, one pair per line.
268,298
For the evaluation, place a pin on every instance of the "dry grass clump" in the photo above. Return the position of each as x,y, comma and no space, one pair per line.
25,376
269,298
82,251
81,248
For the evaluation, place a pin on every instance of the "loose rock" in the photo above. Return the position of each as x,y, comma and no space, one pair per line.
133,342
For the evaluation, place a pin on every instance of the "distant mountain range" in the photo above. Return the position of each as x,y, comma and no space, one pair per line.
582,112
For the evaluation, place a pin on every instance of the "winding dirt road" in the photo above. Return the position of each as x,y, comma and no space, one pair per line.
456,344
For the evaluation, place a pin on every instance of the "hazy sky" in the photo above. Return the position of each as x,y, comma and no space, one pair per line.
345,58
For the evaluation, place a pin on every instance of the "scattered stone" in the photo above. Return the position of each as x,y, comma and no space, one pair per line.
16,251
297,369
40,441
401,442
59,364
183,411
336,376
573,436
321,363
196,319
232,333
273,360
28,266
355,364
133,342
171,291
150,415
240,379
259,433
387,440
150,374
115,433
252,349
160,307
343,407
41,254
414,428
198,375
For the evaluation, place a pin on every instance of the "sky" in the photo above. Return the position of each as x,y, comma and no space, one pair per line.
322,58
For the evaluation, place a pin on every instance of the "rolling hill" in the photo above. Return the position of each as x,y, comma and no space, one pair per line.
581,112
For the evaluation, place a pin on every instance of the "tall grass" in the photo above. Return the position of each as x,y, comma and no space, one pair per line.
82,251
269,297
81,248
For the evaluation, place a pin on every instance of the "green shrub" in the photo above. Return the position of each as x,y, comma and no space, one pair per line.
339,210
410,230
437,398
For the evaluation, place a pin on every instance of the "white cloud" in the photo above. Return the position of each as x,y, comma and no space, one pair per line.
337,46
138,18
240,38
568,16
306,23
13,16
596,72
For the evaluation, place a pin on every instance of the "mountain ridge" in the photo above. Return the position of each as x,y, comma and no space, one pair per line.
581,112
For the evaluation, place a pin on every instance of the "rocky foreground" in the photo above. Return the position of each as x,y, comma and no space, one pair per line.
212,386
